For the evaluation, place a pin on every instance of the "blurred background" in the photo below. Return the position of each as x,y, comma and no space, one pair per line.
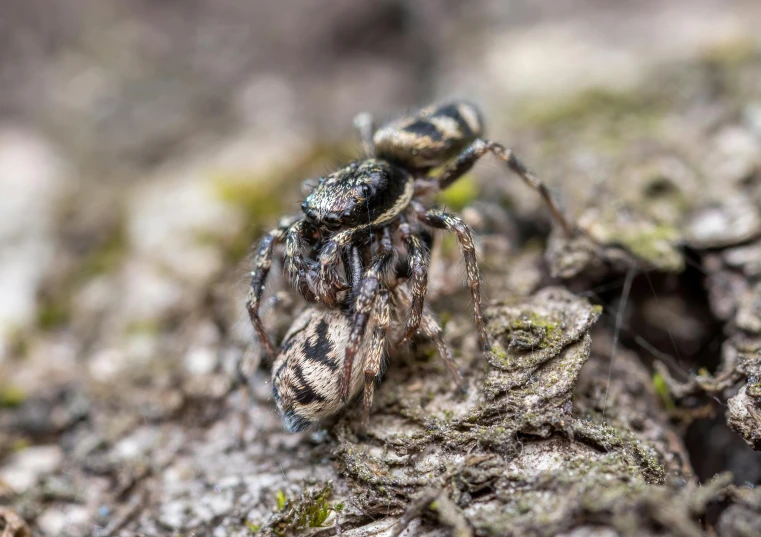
145,145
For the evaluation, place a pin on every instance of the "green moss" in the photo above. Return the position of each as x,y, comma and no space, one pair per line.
143,327
308,510
460,194
449,244
11,396
533,331
581,108
732,52
654,244
107,256
662,389
262,199
54,313
259,198
18,343
20,444
500,357
104,258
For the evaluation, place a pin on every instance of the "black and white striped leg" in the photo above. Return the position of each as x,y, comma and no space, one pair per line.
299,269
479,148
377,349
262,265
419,258
455,224
328,283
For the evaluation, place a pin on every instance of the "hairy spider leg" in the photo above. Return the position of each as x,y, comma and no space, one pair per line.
328,282
374,359
465,161
432,329
299,269
419,259
455,224
353,266
363,307
262,265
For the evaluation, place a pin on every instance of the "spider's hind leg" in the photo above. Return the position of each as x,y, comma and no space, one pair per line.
419,259
374,360
479,148
431,327
432,330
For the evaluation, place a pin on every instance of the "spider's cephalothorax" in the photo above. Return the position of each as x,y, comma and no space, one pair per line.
360,224
363,194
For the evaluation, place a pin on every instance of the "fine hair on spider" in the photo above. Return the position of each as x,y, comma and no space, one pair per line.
361,223
305,383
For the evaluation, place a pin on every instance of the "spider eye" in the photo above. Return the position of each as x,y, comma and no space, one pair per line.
310,213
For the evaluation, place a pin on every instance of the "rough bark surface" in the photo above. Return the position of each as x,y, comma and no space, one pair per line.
623,394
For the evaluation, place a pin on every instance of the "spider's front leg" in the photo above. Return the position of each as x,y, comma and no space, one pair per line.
352,261
455,224
299,269
479,148
363,308
328,282
262,265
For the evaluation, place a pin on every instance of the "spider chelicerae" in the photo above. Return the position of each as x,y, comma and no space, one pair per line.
360,253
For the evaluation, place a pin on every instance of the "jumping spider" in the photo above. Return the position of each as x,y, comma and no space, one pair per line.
361,246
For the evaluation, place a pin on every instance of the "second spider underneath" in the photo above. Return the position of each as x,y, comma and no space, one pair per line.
369,220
